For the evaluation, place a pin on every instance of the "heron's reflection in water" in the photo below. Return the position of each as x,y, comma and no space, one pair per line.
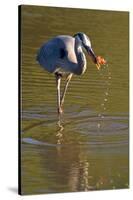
79,172
59,134
86,177
80,178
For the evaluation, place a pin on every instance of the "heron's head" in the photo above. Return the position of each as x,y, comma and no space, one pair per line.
86,43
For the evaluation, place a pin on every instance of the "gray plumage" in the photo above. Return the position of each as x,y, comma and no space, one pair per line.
64,54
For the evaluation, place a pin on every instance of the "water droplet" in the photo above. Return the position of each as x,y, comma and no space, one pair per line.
98,125
102,104
105,99
109,77
106,93
104,108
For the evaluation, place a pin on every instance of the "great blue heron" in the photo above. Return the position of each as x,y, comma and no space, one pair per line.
64,55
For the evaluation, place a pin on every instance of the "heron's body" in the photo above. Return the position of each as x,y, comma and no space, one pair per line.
58,55
64,54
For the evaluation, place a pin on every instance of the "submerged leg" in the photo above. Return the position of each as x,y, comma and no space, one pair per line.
58,83
65,89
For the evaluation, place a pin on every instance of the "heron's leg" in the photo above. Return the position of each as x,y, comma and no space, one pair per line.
65,88
58,83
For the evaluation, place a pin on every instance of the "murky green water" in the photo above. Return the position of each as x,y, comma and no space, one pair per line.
87,149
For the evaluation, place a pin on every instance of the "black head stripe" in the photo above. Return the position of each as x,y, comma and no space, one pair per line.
80,36
83,37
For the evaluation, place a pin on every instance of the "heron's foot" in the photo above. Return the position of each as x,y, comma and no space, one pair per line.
60,110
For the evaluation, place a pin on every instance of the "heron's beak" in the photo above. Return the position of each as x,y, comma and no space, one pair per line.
93,56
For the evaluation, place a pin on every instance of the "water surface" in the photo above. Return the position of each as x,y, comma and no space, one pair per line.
87,148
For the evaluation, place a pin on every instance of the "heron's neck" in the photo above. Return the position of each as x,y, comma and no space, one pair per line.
80,56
